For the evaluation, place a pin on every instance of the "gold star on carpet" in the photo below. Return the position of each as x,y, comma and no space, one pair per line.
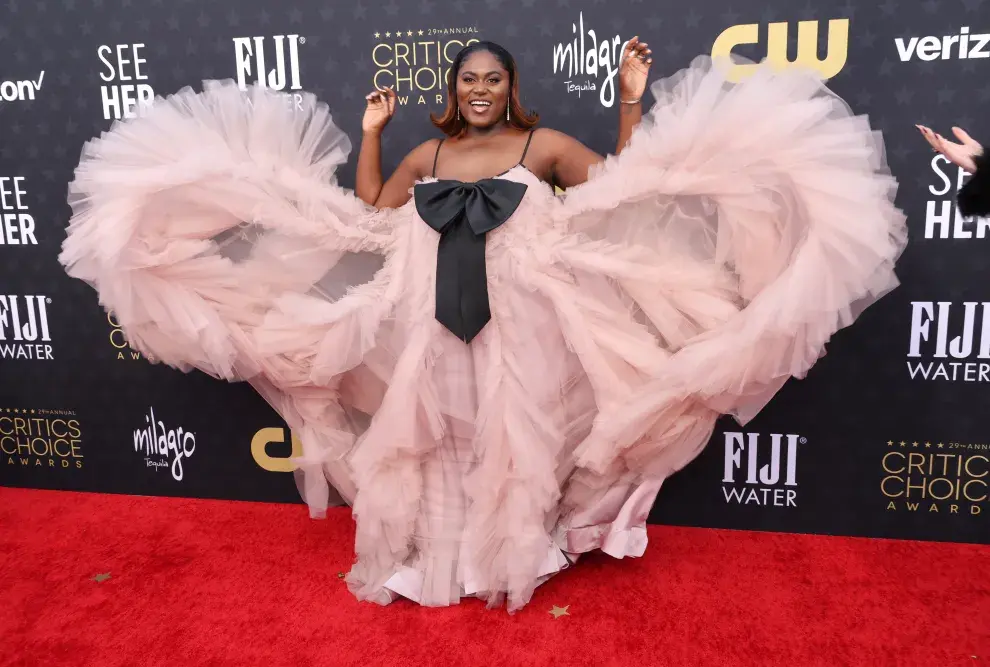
557,612
100,578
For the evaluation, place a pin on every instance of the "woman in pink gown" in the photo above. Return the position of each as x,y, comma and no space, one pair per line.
496,378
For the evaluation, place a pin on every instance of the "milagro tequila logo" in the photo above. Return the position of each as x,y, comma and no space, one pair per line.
589,64
16,221
22,90
760,473
124,95
164,447
24,332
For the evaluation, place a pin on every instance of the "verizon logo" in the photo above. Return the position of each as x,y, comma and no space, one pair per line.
963,46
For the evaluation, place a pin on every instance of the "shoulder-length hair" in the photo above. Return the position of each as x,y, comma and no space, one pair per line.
452,125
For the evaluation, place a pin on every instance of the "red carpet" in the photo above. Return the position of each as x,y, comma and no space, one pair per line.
222,583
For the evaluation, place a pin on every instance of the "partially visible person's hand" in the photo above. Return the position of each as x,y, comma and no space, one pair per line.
960,154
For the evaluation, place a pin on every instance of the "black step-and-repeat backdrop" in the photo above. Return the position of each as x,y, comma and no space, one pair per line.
887,437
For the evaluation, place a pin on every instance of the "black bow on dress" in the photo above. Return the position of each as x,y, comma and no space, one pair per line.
463,213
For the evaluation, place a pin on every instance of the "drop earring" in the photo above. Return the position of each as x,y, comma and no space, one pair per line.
458,114
507,113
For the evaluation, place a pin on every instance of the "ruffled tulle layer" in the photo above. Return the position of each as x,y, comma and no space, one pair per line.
689,277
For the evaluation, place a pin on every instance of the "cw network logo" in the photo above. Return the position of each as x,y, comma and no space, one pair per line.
963,46
774,483
776,50
19,91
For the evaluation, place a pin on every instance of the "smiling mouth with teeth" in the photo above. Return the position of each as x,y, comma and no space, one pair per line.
480,104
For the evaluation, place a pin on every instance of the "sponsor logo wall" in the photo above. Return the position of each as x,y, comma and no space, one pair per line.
886,437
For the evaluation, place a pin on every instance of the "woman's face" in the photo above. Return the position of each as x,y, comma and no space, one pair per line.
482,89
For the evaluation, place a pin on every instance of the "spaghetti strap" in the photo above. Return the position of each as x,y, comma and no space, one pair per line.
436,156
526,149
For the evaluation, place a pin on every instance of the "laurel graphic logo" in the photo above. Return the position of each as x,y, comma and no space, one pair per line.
761,469
808,34
266,445
41,439
415,61
936,477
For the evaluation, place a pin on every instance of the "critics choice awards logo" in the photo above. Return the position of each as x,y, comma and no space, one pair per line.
126,90
942,217
808,35
416,62
964,45
47,439
24,331
164,447
22,90
16,221
941,478
119,342
761,470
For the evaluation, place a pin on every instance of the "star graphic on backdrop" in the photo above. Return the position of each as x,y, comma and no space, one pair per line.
4,33
511,29
345,40
81,102
546,83
928,445
190,47
391,8
902,443
326,13
378,35
848,10
972,5
985,93
360,11
86,28
889,8
563,3
409,33
295,16
41,6
330,65
172,22
144,25
930,6
863,98
233,19
420,33
69,5
97,4
904,96
528,57
388,33
730,17
557,612
459,5
203,20
945,95
940,446
890,443
654,21
546,28
886,67
100,578
692,19
265,18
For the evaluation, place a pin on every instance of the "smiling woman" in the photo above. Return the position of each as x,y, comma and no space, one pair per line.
496,378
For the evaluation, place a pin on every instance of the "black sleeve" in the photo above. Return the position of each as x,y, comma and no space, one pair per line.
974,197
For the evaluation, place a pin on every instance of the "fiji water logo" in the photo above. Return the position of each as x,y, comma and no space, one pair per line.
760,473
164,447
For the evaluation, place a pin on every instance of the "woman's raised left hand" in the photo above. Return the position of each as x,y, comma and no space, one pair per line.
634,70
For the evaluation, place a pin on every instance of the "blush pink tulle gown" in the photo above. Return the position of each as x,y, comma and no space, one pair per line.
689,277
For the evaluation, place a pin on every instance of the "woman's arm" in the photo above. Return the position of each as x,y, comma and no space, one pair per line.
571,159
370,187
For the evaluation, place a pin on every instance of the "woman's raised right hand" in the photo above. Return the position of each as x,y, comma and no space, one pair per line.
380,109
